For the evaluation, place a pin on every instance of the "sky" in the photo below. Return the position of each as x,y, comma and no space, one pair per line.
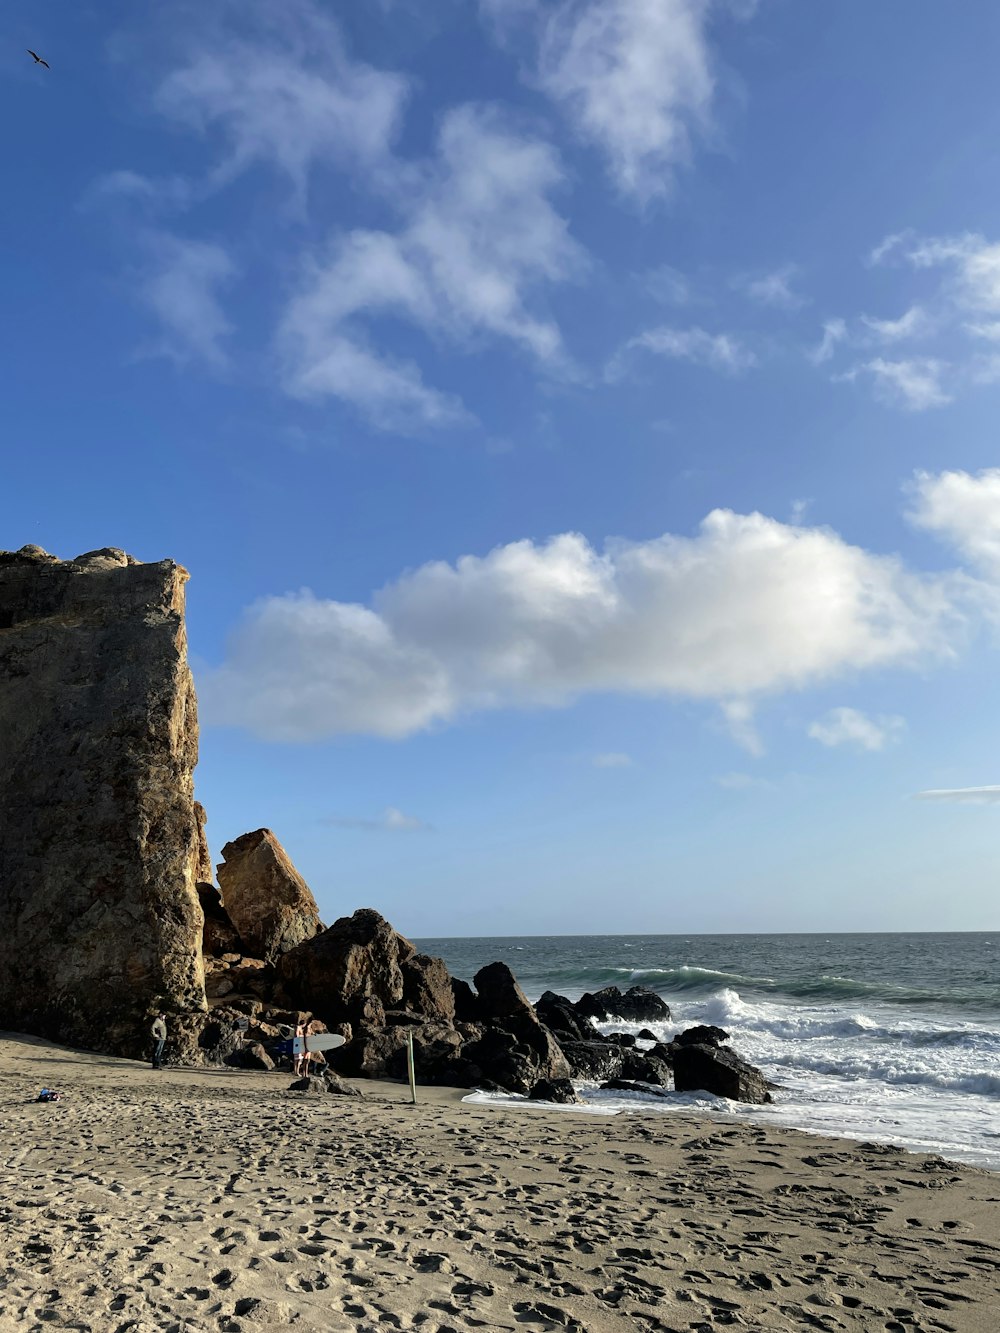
578,419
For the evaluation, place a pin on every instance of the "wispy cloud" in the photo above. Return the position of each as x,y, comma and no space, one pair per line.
717,351
480,237
742,782
849,726
179,284
276,88
390,820
634,77
962,795
740,722
914,384
773,289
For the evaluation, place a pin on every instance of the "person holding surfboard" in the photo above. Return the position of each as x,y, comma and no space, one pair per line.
159,1034
300,1059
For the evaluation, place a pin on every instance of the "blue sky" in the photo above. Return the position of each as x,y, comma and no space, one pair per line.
578,420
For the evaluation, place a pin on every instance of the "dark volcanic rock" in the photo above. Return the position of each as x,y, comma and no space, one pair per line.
267,900
701,1035
553,1090
99,919
619,1038
638,1004
594,1059
646,1068
251,1056
561,1018
720,1071
352,972
466,1001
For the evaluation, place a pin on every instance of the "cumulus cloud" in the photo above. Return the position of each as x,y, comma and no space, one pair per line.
480,237
962,509
849,726
963,795
390,820
179,284
746,607
717,351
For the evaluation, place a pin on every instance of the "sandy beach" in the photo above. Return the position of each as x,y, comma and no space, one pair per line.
217,1200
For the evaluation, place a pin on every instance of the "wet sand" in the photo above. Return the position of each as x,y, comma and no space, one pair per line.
217,1200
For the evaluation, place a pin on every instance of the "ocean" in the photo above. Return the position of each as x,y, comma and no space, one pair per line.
892,1038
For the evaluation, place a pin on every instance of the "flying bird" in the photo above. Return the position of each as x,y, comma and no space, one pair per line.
38,59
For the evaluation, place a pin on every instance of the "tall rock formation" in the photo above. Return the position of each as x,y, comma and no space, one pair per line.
99,840
267,900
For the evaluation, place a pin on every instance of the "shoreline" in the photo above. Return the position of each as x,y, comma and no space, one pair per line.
217,1200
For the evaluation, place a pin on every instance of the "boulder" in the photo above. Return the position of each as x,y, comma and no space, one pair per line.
645,1068
561,1018
559,1090
701,1035
427,988
466,1001
312,1084
501,999
100,925
336,1085
594,1059
268,901
352,972
638,1004
720,1071
619,1038
251,1055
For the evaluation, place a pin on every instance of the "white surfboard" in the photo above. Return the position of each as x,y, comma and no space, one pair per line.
324,1041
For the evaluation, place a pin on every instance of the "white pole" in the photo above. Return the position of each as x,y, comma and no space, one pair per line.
410,1067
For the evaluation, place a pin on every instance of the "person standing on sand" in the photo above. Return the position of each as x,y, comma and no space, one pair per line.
300,1060
159,1035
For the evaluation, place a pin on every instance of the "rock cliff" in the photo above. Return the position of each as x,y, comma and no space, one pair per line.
99,839
267,900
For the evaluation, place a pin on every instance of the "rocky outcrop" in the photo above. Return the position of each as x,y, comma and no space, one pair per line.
99,918
558,1090
714,1069
562,1019
352,972
638,1004
267,900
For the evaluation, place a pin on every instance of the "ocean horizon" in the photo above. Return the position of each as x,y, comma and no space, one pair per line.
892,1037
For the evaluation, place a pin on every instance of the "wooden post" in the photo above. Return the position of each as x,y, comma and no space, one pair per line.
410,1067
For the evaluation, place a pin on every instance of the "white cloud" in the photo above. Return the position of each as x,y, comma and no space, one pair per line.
634,77
849,726
739,721
717,351
746,607
834,333
963,795
278,87
964,510
179,285
774,289
973,264
913,384
480,236
911,324
612,760
390,820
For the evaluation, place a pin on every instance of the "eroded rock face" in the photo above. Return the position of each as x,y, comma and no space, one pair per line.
99,918
266,898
